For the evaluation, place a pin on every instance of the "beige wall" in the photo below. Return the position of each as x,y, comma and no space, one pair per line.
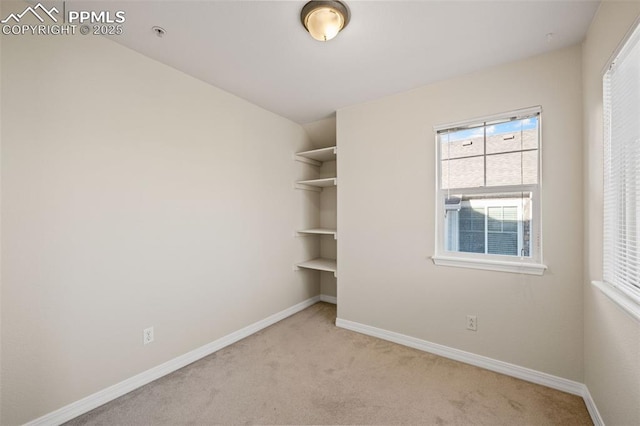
386,220
133,195
612,338
322,132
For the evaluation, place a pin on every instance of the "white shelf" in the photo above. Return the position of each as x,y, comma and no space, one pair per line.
320,264
317,156
319,231
316,184
320,183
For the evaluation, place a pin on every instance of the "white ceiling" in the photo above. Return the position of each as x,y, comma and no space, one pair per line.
258,50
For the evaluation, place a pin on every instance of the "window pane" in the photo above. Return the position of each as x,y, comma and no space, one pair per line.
502,237
504,169
463,173
463,143
492,224
512,136
471,230
505,137
530,167
510,219
451,230
495,219
511,156
530,134
503,243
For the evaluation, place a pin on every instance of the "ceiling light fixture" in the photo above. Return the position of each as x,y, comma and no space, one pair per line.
324,19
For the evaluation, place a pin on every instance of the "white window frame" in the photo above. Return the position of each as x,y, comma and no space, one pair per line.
622,293
516,264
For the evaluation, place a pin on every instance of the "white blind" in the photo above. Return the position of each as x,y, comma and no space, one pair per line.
621,85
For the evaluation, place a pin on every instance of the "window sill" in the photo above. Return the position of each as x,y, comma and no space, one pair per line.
491,265
619,298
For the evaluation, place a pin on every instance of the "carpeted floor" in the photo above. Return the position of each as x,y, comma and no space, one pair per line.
304,370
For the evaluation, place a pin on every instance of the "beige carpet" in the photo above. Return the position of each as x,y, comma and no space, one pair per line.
304,370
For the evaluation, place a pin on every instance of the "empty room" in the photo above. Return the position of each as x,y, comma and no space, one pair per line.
320,212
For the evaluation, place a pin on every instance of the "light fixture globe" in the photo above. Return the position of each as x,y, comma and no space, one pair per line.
324,19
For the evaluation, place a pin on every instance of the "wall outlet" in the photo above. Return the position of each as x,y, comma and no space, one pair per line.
147,335
472,323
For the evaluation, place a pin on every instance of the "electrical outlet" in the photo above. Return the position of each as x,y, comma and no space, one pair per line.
147,335
472,323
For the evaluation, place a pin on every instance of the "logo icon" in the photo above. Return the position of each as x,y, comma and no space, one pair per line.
34,11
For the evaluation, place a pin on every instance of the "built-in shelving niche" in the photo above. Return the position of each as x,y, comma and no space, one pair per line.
325,230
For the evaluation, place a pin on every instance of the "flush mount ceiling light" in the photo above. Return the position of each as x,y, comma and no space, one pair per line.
324,19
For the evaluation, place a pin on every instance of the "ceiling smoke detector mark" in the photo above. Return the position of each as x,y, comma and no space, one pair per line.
550,37
159,31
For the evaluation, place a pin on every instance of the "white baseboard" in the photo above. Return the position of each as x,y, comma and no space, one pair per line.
87,404
329,299
591,407
502,367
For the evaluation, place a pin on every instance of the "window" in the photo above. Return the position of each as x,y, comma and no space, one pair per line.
621,96
488,193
